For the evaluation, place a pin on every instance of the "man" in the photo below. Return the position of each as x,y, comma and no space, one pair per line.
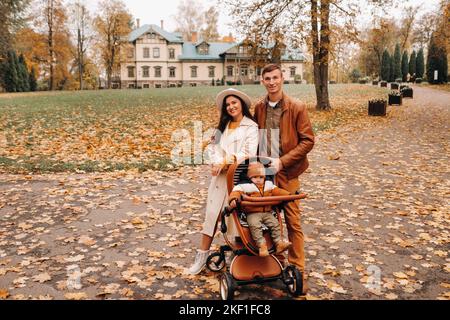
289,137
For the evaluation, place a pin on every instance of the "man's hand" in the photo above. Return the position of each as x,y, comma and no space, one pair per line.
276,164
233,204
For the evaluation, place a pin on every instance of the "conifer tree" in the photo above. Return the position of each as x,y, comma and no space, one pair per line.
10,78
412,64
385,66
397,63
23,70
420,64
32,79
405,66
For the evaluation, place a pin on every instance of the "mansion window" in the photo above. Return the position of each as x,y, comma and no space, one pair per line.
158,72
172,72
194,72
229,71
145,72
146,53
171,53
212,72
130,72
203,49
293,71
156,53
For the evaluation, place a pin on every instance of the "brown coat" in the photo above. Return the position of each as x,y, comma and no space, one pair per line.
234,195
297,137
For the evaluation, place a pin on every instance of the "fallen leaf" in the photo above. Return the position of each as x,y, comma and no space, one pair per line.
76,296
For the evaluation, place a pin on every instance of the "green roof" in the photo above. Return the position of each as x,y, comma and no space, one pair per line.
153,27
215,50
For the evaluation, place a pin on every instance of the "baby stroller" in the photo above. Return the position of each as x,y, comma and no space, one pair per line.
246,266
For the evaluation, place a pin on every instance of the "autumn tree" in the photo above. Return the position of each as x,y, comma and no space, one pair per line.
209,30
113,24
79,24
189,18
50,24
423,30
266,16
372,43
407,25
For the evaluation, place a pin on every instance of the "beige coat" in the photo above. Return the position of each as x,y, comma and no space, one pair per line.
241,143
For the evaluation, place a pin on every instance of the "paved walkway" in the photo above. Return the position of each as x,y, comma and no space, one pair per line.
376,221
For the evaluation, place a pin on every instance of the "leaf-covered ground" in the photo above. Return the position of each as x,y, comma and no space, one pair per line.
376,221
101,131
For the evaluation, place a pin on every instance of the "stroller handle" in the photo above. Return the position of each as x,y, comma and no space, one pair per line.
274,198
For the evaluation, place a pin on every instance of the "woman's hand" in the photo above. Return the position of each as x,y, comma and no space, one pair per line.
233,204
216,169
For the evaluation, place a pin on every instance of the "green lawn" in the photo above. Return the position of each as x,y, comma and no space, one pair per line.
124,129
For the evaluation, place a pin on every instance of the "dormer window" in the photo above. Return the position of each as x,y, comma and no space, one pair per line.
203,49
151,36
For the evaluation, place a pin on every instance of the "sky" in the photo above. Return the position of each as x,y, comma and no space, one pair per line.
152,12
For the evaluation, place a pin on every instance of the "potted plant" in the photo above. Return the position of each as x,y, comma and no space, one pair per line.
394,86
395,97
407,92
377,107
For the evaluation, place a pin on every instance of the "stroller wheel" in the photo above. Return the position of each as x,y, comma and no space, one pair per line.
215,262
294,280
227,286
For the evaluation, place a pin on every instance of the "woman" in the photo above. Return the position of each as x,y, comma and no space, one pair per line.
236,138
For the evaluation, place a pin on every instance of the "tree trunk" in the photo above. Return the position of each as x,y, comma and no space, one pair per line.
80,59
50,15
321,52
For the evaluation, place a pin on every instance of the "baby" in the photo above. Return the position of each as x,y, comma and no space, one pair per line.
262,214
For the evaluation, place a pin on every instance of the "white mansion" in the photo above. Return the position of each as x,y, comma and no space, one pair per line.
157,58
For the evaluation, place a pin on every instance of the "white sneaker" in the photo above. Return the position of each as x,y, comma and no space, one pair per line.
199,263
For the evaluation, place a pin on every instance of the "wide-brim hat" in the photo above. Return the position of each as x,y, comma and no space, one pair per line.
232,92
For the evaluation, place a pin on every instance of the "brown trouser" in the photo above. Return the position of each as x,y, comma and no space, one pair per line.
255,221
296,253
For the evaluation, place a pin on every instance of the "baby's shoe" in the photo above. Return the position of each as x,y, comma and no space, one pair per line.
263,252
282,246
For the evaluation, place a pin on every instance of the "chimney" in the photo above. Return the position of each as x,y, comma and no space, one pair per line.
138,23
194,36
162,24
